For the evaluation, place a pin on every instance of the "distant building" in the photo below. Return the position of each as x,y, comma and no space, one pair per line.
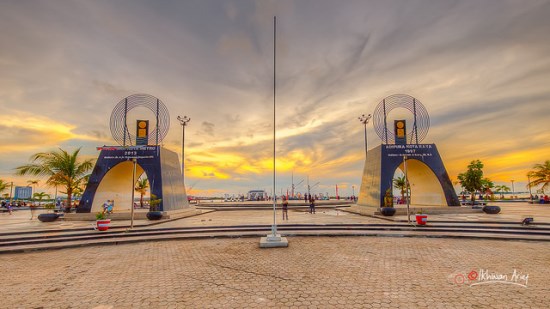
22,193
256,195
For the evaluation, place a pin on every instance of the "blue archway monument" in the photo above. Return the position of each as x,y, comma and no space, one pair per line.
113,177
429,182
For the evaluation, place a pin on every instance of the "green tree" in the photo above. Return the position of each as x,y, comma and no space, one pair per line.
81,186
33,183
502,188
472,179
486,186
3,185
141,187
61,168
154,203
40,196
401,184
540,175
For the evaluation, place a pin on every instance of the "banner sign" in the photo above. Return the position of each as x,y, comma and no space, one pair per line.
410,150
128,153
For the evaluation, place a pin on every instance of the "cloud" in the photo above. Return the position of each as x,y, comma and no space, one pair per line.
208,127
480,68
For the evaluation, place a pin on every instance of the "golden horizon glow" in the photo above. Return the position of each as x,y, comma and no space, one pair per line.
486,91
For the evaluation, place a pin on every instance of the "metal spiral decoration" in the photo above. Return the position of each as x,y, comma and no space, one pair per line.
421,119
119,121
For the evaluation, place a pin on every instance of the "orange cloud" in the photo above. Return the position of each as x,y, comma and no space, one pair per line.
31,132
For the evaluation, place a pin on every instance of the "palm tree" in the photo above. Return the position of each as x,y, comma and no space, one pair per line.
540,175
33,183
81,186
141,187
40,196
3,185
401,184
502,188
61,168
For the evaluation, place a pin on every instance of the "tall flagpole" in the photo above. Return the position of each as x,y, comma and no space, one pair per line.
274,240
274,226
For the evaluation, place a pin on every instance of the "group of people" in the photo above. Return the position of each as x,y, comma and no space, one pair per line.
8,206
108,206
543,199
285,206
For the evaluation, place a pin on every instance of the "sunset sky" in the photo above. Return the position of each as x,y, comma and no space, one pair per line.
481,69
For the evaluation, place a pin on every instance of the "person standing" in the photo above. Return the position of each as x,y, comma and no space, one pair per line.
33,208
285,208
311,205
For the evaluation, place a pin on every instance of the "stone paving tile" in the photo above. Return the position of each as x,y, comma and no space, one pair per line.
323,272
510,212
19,221
513,211
250,217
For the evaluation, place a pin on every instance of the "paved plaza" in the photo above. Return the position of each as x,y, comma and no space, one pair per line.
313,272
511,212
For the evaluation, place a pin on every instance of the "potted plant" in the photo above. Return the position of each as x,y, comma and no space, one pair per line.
102,222
421,218
388,209
154,204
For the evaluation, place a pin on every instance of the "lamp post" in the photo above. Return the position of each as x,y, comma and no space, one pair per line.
11,193
512,188
134,161
529,186
353,191
364,120
407,190
183,122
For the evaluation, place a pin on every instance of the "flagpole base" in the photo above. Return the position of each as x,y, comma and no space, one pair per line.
273,241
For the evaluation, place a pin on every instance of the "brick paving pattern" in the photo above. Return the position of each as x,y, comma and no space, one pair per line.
313,272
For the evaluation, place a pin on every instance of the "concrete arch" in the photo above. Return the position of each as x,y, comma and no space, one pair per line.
426,189
431,185
112,178
113,185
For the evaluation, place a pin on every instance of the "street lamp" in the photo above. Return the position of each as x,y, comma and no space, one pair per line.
134,162
11,194
529,186
407,190
512,188
183,122
364,120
